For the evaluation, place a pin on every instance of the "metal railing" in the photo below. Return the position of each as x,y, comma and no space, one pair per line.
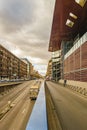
38,118
78,89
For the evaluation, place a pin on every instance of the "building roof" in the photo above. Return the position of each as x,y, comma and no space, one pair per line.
66,10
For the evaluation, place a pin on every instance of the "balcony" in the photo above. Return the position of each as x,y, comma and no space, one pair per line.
81,41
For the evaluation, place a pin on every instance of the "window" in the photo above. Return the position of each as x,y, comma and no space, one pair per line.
73,15
69,23
81,2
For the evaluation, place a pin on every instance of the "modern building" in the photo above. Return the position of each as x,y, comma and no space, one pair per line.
49,69
56,65
11,67
69,34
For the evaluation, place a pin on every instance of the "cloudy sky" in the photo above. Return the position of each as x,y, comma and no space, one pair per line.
25,27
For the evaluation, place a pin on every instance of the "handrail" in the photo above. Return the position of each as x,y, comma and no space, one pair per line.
38,118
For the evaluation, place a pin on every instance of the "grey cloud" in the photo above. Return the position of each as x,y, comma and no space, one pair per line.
35,49
27,24
17,13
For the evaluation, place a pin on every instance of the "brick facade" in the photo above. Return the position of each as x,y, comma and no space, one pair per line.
75,66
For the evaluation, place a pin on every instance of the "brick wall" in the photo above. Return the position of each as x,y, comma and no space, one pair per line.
75,66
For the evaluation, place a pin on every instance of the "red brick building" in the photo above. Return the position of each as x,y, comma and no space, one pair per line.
11,67
69,34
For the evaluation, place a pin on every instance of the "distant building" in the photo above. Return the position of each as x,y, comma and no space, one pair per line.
11,67
31,73
56,65
49,69
31,69
25,60
22,70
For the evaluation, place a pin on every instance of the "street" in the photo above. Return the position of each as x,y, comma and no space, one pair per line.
71,108
16,114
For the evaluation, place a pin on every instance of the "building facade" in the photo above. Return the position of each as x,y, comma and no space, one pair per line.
75,61
56,65
49,69
69,34
25,60
31,69
11,67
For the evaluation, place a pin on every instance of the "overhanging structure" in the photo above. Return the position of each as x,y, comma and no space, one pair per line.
70,19
69,34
